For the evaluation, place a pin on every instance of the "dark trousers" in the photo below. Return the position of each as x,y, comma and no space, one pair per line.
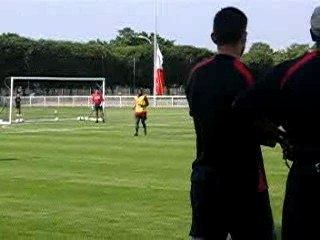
97,109
18,109
218,210
301,209
143,119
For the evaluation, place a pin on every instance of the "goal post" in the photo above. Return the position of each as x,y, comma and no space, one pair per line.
48,98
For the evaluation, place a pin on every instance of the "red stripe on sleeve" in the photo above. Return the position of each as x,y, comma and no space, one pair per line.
295,67
201,64
245,72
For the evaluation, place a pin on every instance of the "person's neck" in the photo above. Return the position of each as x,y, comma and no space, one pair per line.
229,50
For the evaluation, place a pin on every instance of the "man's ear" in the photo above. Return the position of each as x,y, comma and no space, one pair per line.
313,36
213,37
244,38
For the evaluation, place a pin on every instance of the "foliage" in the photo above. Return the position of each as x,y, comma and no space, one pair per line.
259,57
126,60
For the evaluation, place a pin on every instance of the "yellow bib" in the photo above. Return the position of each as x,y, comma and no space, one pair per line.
140,105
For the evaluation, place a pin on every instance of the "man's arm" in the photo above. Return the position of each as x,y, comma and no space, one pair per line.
134,105
261,105
146,101
189,89
102,99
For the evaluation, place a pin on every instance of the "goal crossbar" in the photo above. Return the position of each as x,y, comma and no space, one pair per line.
60,78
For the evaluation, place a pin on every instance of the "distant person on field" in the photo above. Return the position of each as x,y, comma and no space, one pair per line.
229,192
140,111
289,97
18,106
97,100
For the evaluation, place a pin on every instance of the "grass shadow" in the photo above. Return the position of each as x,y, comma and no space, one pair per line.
8,159
278,231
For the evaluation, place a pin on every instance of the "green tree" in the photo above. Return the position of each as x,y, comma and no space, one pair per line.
296,50
128,37
259,58
13,49
279,56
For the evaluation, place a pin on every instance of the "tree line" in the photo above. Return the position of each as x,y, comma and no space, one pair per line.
125,61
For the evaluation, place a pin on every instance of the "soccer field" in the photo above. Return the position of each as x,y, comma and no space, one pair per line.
82,180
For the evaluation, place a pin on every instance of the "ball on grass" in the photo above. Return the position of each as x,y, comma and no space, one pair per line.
81,118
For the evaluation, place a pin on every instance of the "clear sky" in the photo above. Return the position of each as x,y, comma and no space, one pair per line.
276,22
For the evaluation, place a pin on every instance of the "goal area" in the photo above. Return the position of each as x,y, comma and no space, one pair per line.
48,98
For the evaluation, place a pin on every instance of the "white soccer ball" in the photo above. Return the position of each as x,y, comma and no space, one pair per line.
56,118
17,120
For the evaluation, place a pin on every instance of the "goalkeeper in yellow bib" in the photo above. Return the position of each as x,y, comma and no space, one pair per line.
140,111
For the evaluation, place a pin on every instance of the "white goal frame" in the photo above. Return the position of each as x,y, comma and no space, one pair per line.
29,78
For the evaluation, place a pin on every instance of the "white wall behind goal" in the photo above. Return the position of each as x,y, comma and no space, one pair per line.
110,101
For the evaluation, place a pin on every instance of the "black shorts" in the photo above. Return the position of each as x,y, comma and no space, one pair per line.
98,108
217,211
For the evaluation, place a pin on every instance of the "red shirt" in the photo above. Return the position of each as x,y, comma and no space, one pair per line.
97,98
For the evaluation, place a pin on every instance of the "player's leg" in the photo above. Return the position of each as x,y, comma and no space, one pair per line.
102,113
143,121
262,219
137,118
97,113
18,112
301,208
253,217
208,217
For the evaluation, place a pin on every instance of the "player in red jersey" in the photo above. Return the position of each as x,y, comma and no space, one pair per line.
97,100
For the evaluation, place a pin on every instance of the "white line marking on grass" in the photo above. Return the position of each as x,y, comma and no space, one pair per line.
126,184
171,124
40,130
23,131
106,182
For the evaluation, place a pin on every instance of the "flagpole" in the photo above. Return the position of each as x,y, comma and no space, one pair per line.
155,46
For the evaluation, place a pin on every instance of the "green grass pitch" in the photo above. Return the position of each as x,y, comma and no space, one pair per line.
82,180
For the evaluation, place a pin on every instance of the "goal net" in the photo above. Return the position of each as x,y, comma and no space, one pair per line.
48,99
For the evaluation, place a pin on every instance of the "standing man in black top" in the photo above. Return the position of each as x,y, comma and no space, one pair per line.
288,96
229,193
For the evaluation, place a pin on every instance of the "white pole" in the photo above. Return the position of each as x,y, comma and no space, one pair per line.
104,93
11,100
155,45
